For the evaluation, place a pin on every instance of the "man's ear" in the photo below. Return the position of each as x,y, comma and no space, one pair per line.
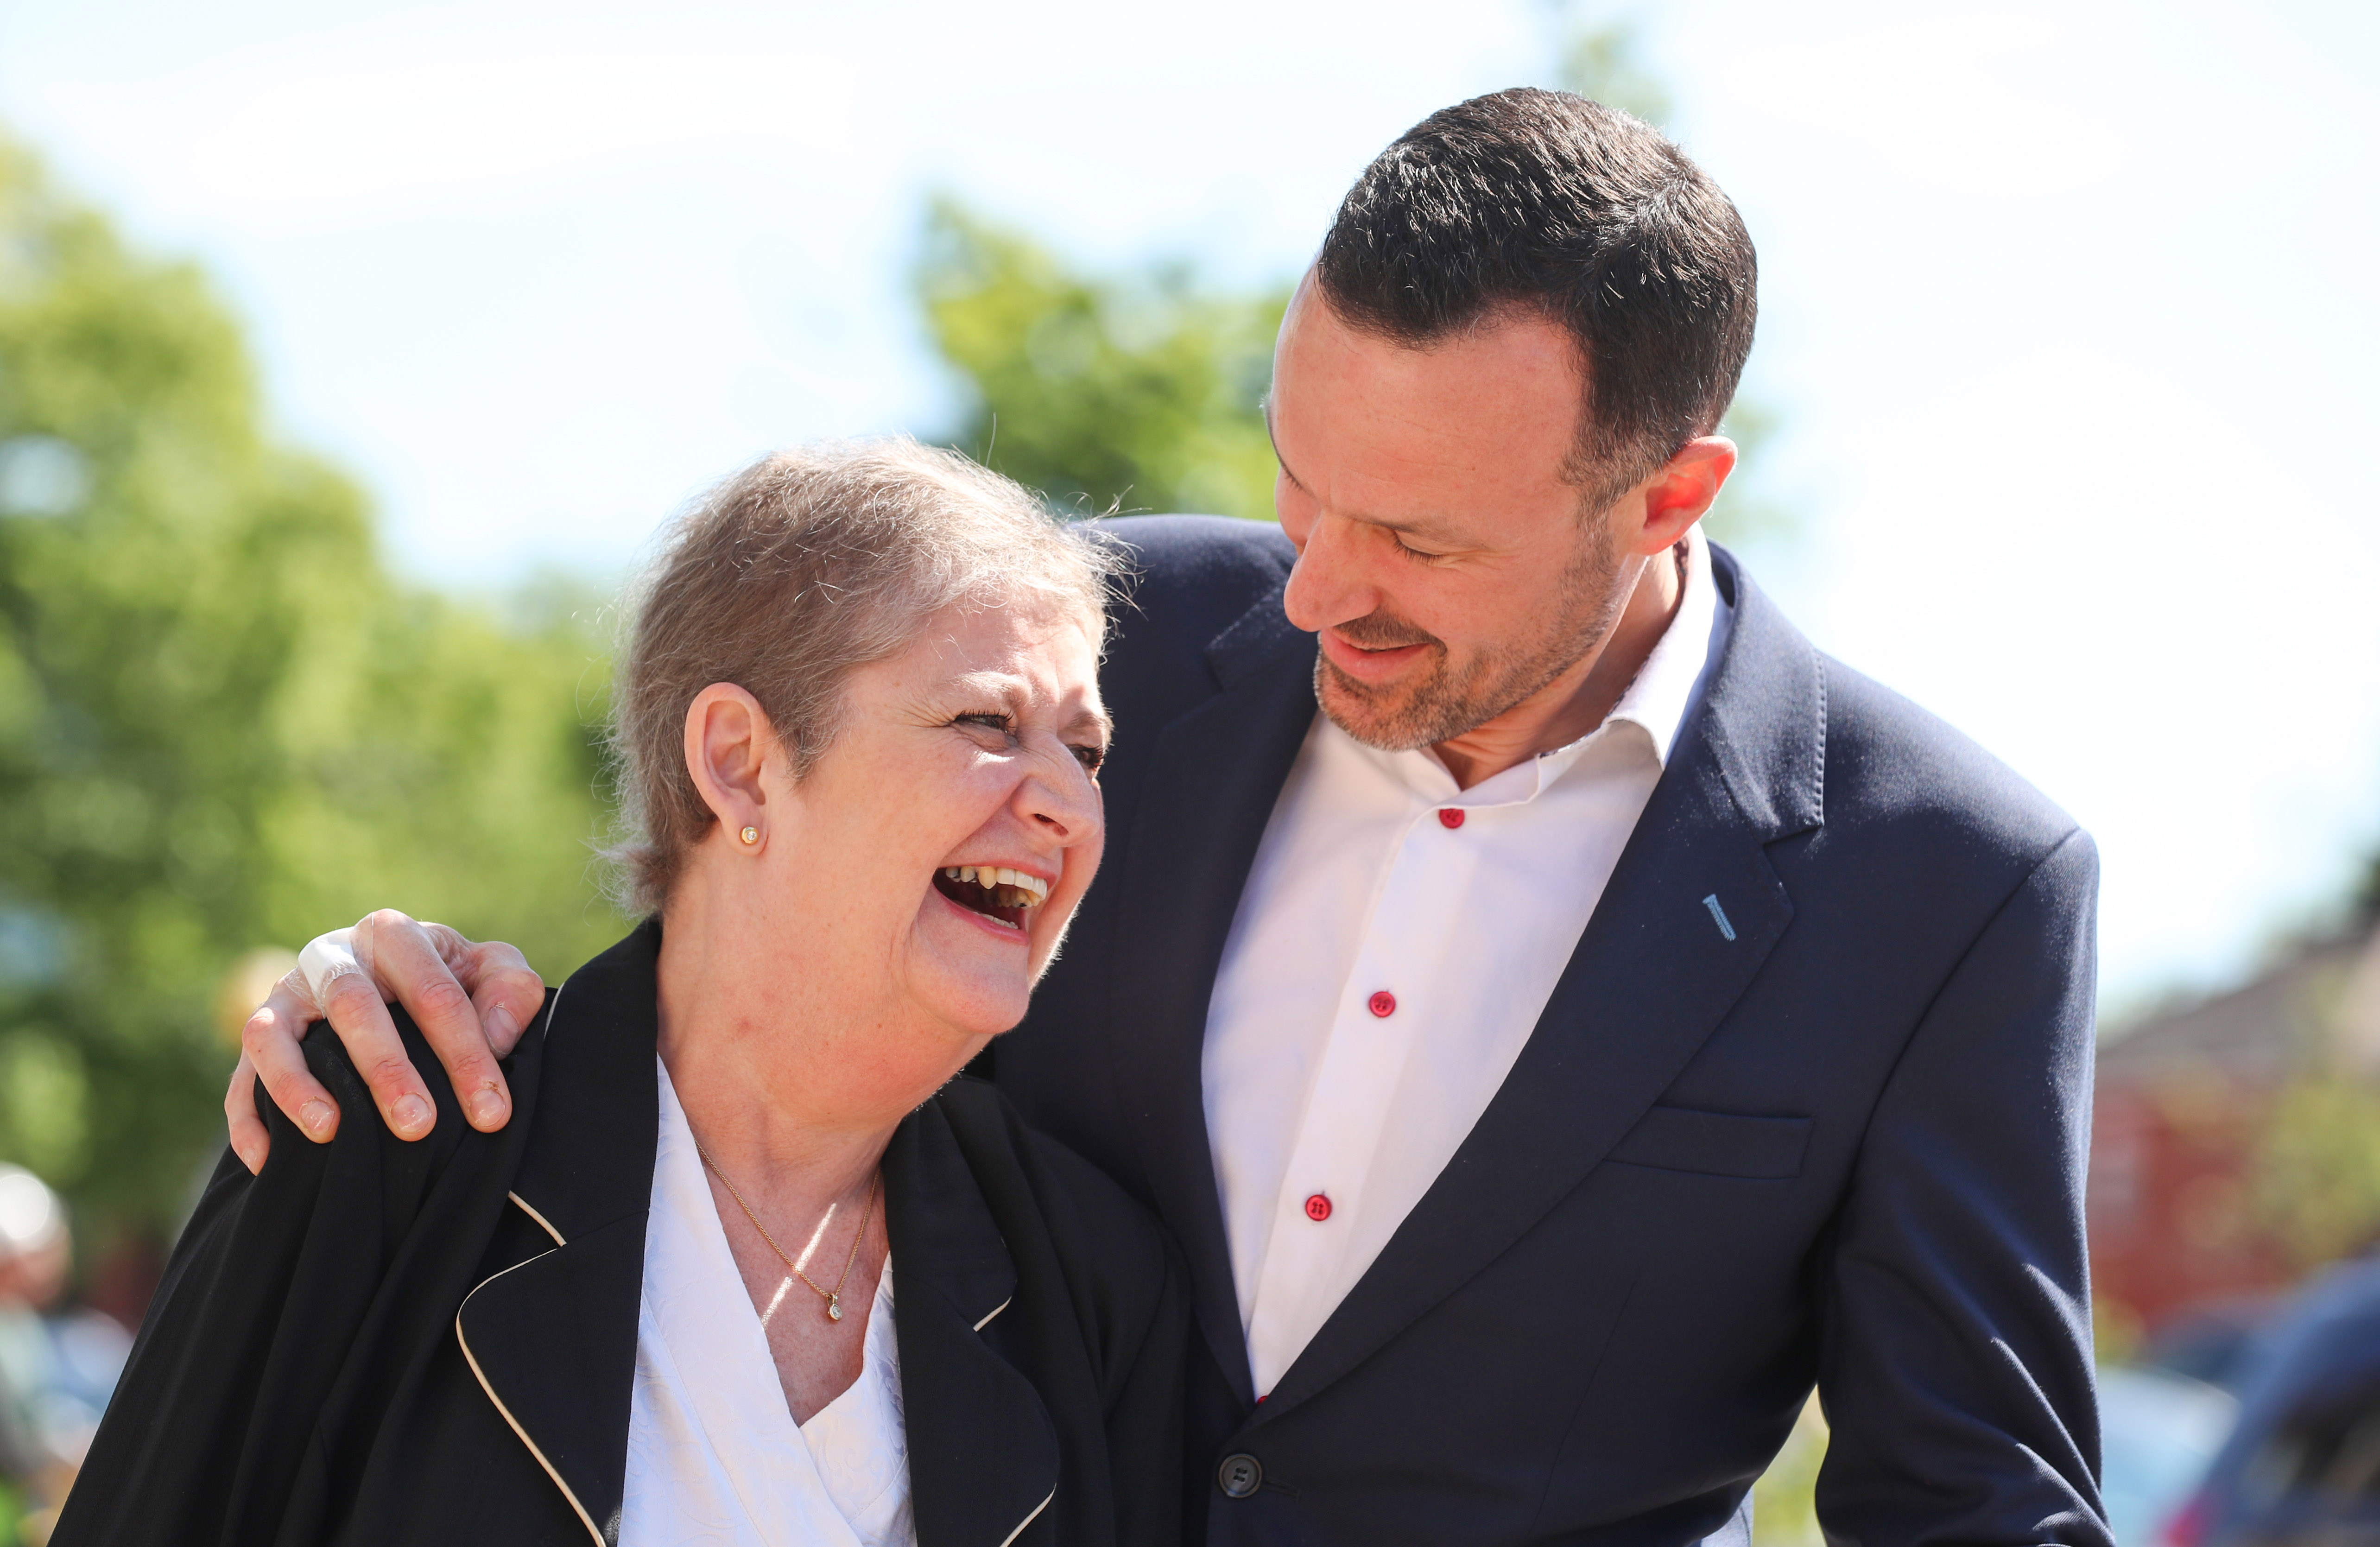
728,744
1680,494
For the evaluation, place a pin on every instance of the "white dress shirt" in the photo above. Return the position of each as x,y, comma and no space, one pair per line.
714,1455
1397,940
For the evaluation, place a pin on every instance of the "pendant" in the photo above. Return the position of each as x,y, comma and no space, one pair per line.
835,1308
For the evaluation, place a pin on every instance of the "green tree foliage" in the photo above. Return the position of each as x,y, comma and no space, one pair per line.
1140,391
221,722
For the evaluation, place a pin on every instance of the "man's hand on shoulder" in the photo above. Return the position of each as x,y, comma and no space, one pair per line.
470,1001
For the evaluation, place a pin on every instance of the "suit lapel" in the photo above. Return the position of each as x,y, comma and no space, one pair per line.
983,1454
552,1339
1653,975
1215,773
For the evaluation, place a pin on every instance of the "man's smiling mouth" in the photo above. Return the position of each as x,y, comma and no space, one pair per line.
1003,895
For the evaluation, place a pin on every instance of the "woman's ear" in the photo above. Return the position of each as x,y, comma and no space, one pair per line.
729,743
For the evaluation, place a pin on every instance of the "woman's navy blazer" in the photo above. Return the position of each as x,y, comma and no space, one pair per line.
382,1342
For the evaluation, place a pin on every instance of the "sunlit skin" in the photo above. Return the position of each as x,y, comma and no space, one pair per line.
1434,487
817,986
1429,491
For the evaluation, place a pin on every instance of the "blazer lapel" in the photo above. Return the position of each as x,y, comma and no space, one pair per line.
983,1454
1215,773
1652,976
552,1339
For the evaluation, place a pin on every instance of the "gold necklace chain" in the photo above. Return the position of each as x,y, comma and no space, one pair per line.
834,1297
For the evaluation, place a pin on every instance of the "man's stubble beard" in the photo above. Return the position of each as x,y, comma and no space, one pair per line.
1451,699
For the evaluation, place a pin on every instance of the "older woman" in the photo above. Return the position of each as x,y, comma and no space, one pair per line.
859,727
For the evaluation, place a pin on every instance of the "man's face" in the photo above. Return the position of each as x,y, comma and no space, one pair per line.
1444,556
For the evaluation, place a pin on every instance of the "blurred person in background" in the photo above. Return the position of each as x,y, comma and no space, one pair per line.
1562,1015
859,727
57,1368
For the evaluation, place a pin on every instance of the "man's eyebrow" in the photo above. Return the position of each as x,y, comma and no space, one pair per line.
1093,720
1265,404
1434,531
1414,529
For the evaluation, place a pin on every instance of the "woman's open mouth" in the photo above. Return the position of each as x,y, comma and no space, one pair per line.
1001,894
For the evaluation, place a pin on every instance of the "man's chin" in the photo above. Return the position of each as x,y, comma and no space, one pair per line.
1387,721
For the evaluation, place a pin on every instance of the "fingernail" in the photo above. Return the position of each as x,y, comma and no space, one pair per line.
501,1023
411,1115
487,1109
315,1117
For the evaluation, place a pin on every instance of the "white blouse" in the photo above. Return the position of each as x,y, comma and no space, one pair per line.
714,1455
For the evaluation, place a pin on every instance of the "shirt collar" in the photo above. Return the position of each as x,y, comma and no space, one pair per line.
1667,683
1656,702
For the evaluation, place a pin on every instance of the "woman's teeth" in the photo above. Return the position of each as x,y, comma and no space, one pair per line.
1035,890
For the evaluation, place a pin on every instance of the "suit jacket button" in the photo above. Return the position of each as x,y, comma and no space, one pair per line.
1240,1475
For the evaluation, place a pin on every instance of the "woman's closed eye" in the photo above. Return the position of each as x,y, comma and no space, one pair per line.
1090,754
992,720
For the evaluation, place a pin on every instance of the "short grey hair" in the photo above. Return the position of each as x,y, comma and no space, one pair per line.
789,576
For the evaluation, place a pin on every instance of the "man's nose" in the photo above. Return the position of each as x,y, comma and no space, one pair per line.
1324,586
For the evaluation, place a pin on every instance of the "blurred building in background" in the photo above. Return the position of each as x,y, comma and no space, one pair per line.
2236,1140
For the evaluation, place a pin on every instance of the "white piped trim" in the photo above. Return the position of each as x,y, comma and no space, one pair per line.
979,1325
1028,1519
481,1376
543,1224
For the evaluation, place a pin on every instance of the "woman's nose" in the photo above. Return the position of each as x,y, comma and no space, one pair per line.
1064,803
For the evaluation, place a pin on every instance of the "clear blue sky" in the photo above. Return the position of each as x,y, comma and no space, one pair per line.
2070,308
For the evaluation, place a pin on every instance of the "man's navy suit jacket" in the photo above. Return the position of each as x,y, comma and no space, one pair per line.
1839,1139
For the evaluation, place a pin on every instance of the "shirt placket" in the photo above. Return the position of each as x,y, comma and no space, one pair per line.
1383,1007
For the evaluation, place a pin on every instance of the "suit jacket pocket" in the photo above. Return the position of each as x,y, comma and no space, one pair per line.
1716,1144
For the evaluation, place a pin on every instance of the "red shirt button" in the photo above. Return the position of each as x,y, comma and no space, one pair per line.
1317,1208
1451,817
1383,1004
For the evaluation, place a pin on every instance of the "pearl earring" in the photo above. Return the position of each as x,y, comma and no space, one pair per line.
750,836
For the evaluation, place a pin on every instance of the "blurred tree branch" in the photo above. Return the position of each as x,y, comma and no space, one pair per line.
1599,59
1138,392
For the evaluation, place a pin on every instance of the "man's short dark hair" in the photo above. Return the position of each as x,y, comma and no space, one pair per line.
1547,200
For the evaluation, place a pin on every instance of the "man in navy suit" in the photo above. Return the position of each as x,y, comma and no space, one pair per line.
1562,1015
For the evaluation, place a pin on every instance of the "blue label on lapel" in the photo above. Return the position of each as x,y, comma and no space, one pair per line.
1718,916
